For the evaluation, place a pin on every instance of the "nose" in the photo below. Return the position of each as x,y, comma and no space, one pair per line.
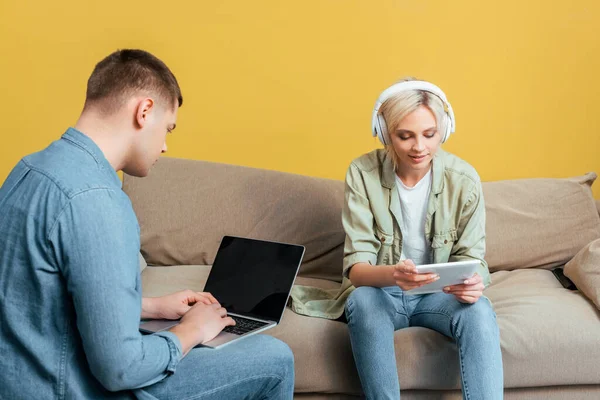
164,148
418,145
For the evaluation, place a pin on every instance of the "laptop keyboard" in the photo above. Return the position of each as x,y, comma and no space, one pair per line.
243,325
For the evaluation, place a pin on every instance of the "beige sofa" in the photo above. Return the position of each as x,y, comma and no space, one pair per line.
550,336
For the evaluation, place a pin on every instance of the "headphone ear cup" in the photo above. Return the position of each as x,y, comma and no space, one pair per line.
447,128
382,129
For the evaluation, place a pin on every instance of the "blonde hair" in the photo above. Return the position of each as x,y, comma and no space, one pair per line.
395,108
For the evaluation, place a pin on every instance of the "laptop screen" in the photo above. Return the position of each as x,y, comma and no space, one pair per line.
254,277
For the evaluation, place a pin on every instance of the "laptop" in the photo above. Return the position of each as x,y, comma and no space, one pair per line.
252,279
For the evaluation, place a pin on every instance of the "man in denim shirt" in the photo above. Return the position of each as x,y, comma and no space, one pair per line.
70,294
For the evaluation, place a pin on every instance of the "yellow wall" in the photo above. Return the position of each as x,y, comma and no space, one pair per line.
290,85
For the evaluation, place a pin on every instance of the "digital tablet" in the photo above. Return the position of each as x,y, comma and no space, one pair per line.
451,273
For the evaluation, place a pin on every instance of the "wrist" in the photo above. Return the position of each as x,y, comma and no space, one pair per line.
189,336
150,308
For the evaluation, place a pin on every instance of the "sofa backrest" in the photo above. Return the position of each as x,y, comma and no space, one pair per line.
533,223
184,207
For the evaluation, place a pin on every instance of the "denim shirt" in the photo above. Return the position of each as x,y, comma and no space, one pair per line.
454,225
70,288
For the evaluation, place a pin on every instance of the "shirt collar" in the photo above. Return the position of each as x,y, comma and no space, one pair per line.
84,142
388,176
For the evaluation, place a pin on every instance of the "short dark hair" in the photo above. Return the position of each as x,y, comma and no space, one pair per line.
126,72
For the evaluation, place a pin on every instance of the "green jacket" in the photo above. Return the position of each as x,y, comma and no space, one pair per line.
455,223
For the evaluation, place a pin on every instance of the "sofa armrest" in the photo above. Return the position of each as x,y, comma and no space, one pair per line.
598,205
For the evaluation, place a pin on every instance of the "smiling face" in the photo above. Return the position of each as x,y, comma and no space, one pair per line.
415,141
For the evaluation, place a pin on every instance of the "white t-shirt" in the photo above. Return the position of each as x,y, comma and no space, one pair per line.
413,203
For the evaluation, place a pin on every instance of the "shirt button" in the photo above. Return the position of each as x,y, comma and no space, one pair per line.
445,242
383,238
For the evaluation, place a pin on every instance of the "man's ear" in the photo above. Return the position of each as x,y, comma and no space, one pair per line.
143,111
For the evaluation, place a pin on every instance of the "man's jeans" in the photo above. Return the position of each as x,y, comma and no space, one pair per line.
374,314
258,367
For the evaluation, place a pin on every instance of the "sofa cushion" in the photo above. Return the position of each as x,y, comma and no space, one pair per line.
143,263
549,336
538,222
584,271
159,281
184,208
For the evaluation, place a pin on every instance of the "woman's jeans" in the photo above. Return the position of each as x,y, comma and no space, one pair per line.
374,314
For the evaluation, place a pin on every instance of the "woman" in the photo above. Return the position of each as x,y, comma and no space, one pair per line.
408,204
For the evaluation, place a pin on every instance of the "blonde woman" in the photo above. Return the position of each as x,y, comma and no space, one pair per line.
408,204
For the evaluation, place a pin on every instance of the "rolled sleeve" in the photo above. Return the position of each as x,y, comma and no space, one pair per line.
175,349
361,244
471,233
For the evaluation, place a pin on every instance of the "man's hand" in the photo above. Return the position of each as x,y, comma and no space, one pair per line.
407,277
468,292
175,305
201,324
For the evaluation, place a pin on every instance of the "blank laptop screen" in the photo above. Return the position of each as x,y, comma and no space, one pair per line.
254,277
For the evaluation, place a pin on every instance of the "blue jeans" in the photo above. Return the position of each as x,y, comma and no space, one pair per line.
258,367
374,314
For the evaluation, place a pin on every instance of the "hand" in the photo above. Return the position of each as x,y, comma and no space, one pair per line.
468,292
407,277
175,305
201,323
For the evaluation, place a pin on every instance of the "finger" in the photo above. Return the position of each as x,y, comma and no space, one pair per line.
205,300
184,309
423,277
407,285
210,297
410,263
411,286
467,299
228,321
405,268
475,279
466,294
222,312
195,297
464,289
409,281
474,286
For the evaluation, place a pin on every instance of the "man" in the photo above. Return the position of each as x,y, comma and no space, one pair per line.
70,294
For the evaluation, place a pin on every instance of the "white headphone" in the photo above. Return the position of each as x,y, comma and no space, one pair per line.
378,125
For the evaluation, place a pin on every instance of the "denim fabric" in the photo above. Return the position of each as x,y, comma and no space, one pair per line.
70,294
454,225
258,367
375,313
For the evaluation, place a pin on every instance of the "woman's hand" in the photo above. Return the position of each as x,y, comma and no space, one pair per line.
406,276
468,292
175,305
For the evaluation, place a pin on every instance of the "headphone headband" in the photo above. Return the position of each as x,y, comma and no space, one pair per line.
378,125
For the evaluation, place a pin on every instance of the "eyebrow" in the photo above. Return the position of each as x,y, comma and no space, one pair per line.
400,131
